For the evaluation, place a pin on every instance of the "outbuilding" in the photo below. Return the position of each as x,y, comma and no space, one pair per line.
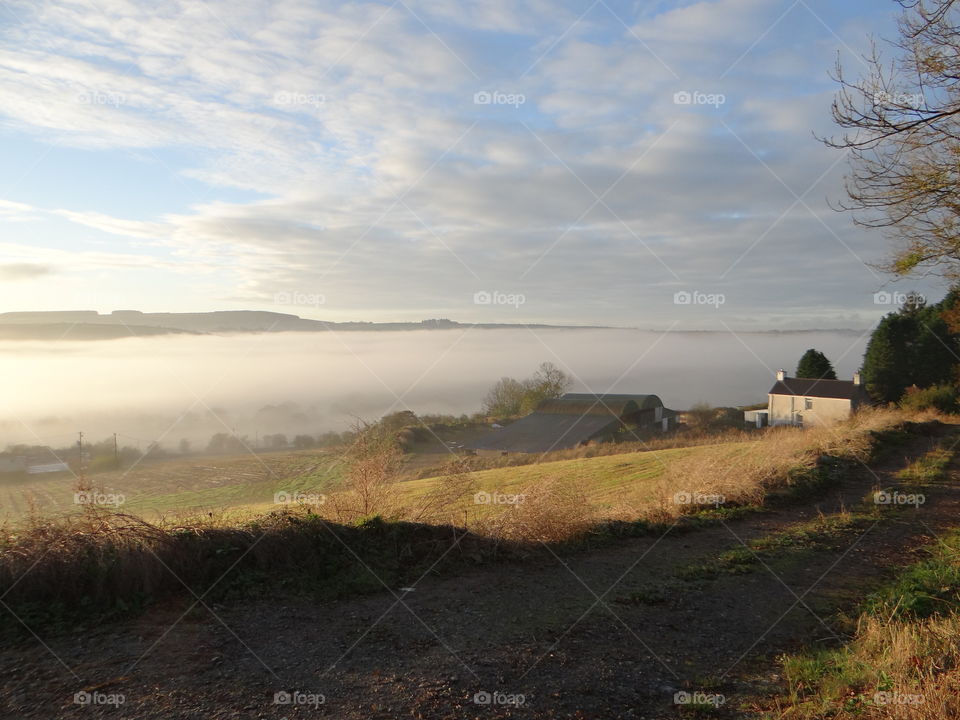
576,419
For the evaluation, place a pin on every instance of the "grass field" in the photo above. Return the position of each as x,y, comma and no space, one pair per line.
607,481
628,485
216,484
178,486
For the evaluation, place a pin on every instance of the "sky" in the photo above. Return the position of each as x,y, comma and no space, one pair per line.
641,164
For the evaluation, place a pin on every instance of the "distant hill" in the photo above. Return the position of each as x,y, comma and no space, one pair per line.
91,325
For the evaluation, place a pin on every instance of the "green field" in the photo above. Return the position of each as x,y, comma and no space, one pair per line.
606,481
154,488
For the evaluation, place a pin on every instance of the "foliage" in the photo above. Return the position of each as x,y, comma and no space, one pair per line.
510,397
225,443
911,346
937,397
704,418
814,364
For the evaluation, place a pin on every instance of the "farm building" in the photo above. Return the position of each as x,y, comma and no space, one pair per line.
809,401
576,419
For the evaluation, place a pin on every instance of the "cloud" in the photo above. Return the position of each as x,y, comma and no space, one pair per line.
22,271
16,212
380,182
116,226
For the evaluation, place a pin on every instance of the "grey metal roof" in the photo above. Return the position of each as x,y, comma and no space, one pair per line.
565,422
618,404
544,431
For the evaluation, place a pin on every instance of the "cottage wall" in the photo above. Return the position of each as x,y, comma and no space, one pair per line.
785,409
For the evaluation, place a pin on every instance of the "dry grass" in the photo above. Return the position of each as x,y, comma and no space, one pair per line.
567,496
98,563
903,660
893,670
744,473
548,511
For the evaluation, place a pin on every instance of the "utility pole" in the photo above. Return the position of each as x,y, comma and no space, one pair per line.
116,452
80,453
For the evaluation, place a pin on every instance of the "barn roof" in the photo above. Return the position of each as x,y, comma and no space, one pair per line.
544,431
813,387
566,422
618,404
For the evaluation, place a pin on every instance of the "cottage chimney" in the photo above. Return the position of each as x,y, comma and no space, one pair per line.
856,378
781,375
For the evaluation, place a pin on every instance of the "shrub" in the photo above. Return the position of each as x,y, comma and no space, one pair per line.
936,397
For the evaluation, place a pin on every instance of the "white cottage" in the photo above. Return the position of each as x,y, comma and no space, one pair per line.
811,401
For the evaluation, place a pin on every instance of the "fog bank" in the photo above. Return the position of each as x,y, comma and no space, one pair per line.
175,387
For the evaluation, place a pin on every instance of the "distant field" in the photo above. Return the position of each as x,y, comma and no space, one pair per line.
181,485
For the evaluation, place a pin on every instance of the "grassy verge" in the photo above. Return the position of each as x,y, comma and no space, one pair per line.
930,468
826,532
903,660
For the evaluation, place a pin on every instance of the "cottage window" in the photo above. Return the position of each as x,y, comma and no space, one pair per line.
808,403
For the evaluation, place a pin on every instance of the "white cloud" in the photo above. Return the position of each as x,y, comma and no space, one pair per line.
386,184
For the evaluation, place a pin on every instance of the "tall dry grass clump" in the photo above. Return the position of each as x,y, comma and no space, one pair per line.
549,510
743,473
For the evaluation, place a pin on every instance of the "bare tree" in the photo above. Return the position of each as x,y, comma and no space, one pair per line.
902,130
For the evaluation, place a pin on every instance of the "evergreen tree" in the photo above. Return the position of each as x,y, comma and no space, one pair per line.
916,345
887,363
814,364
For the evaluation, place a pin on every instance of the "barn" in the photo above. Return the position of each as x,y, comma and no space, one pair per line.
576,419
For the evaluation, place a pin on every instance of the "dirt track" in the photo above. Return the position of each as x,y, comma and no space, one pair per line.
563,634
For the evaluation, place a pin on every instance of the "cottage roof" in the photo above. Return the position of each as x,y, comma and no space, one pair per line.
814,387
